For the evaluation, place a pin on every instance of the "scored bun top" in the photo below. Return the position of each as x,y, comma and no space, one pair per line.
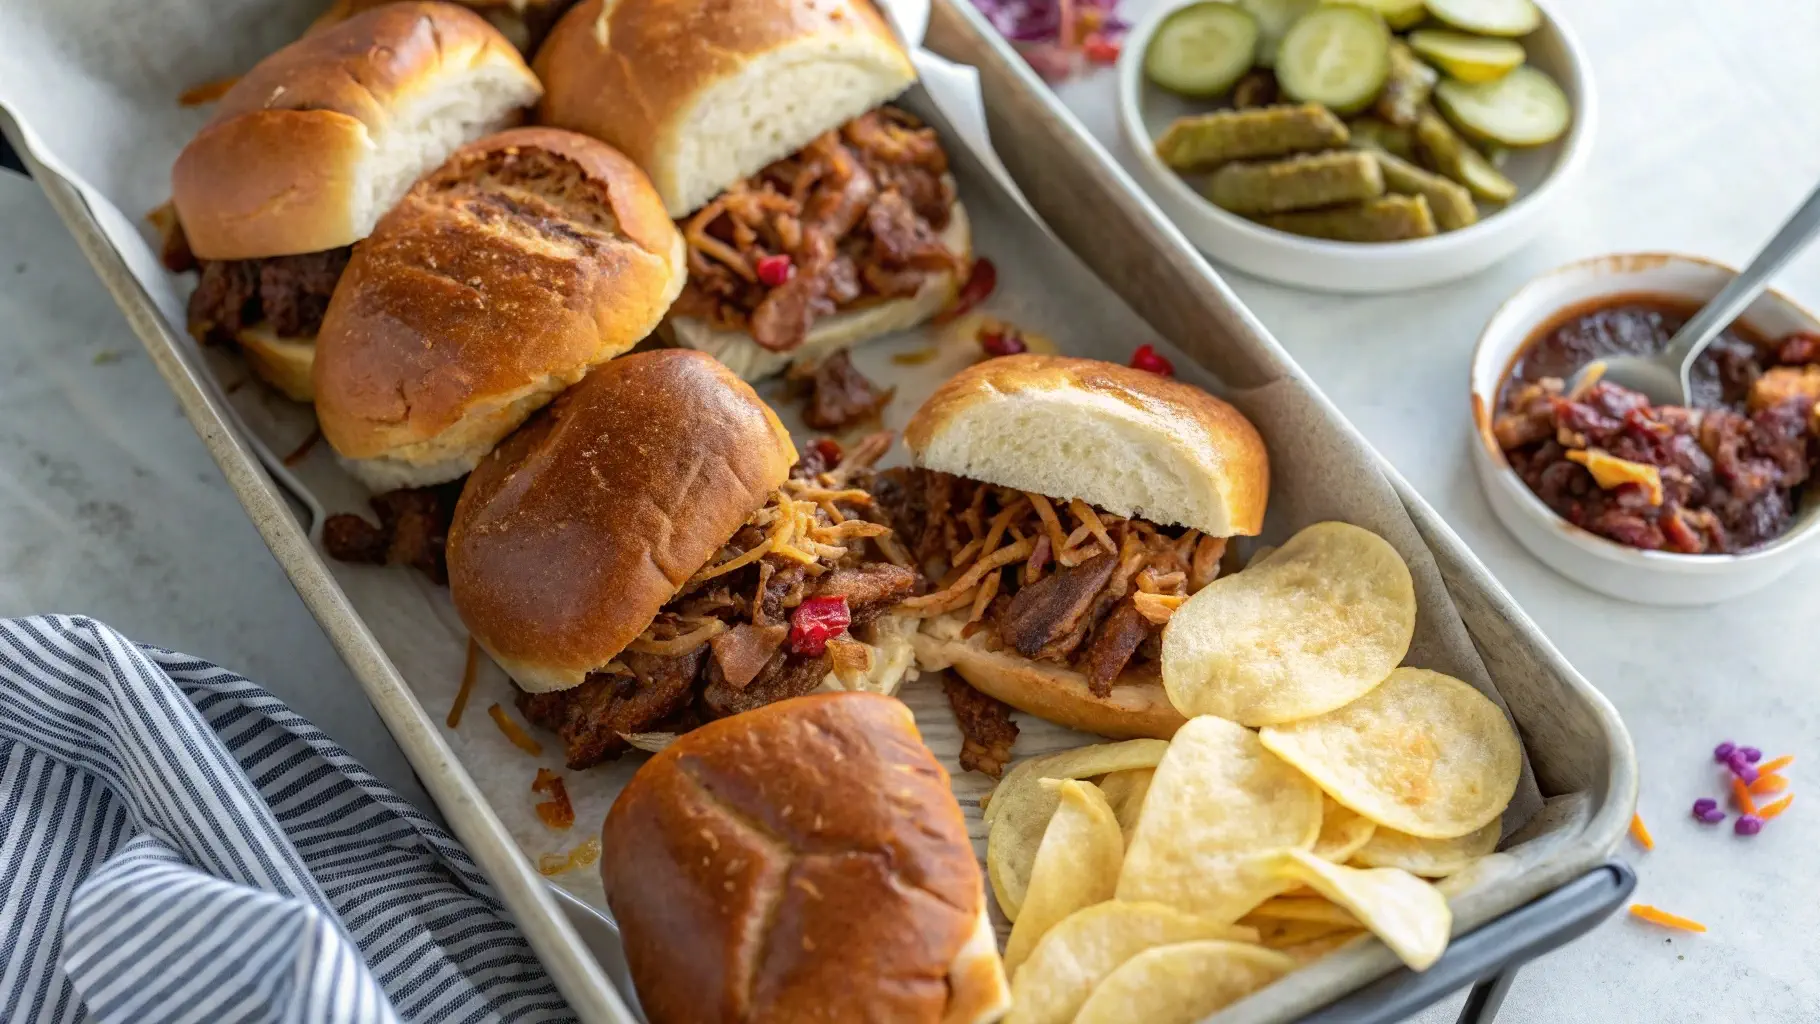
318,140
571,536
703,93
804,861
526,259
1131,442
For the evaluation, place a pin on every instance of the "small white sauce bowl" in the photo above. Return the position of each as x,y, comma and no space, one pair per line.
1542,173
1645,577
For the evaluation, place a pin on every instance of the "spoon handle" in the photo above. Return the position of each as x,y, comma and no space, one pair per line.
1733,299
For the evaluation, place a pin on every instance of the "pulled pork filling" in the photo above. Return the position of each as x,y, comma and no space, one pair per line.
854,217
769,617
1057,581
291,293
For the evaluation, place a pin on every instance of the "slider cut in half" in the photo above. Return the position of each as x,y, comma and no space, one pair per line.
1064,509
840,223
310,148
503,277
804,862
648,553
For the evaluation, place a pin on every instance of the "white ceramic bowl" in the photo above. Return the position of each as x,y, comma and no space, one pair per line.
1144,111
1646,577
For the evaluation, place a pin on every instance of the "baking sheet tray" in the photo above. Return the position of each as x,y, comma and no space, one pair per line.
403,641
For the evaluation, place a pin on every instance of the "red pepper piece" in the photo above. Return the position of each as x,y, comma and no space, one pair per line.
1101,50
980,282
1147,359
774,270
1002,341
816,621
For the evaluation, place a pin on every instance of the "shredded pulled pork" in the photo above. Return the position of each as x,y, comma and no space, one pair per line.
413,530
291,293
987,731
1057,581
853,217
719,647
835,394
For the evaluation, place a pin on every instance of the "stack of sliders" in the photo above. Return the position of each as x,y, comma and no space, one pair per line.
841,222
1066,507
649,553
750,886
310,148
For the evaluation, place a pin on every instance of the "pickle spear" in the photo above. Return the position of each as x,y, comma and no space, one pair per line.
1524,108
1338,57
1373,133
1202,49
1444,151
1387,219
1205,141
1299,183
1451,202
1407,88
1468,58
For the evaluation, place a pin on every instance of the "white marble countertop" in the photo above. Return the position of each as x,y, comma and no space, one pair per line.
1711,134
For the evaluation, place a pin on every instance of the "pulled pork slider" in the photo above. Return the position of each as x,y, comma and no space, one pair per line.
805,862
841,222
503,277
310,148
643,556
1066,507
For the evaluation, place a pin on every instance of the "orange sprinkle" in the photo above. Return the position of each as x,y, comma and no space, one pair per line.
1775,807
515,732
467,685
1768,784
1771,767
1742,796
1648,913
1640,832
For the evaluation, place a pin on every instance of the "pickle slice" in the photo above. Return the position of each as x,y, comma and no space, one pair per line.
1274,18
1488,17
1398,14
1524,108
1338,57
1467,58
1202,49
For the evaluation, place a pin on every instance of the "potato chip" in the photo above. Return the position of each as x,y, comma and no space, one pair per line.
1125,791
1286,934
1410,915
1301,908
1219,803
1430,858
1305,953
1090,944
1019,808
1424,753
1181,984
1315,625
1077,865
1343,831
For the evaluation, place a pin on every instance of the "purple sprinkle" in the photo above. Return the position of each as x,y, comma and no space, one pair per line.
1704,804
1748,825
1713,816
1724,750
1742,770
1751,754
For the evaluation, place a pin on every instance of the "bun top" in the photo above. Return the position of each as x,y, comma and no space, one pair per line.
313,145
1131,442
572,534
703,93
526,259
804,861
524,22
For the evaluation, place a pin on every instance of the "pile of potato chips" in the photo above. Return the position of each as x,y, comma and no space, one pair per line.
1314,788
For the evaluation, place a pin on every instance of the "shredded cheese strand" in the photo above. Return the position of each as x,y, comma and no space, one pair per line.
1645,912
1640,832
1091,520
988,590
997,560
1058,541
515,732
682,644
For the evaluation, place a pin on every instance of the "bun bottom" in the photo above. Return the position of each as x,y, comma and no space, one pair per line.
752,361
284,363
1137,707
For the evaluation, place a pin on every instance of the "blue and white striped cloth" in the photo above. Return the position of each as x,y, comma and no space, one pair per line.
177,845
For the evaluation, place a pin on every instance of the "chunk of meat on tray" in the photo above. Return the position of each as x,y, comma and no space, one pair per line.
838,395
413,530
987,731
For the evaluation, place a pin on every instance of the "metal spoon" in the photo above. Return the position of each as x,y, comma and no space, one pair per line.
1666,377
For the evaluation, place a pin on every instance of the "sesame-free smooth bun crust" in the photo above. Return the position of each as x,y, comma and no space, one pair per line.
311,147
804,861
1131,442
703,93
572,534
528,258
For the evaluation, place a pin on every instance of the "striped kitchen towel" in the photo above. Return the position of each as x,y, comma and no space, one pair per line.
177,845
